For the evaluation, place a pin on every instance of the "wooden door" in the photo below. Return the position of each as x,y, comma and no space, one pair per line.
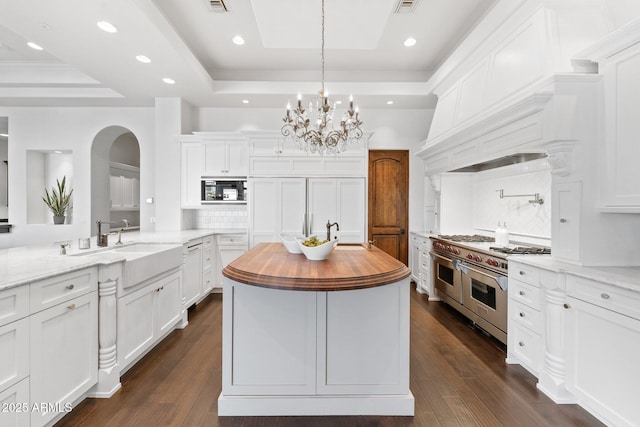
388,201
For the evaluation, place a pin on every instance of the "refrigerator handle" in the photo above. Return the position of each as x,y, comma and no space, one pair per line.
304,225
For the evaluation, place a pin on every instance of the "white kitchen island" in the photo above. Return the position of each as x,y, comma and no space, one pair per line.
315,337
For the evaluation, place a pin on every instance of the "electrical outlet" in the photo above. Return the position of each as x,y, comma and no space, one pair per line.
152,220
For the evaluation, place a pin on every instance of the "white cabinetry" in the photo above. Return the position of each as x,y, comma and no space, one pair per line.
230,247
124,186
208,264
524,335
414,257
14,355
192,286
565,226
64,344
302,206
226,158
278,205
146,315
603,339
620,175
192,172
420,262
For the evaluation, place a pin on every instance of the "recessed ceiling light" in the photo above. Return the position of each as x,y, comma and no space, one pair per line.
389,102
4,135
245,101
107,26
238,40
410,42
58,152
32,45
338,102
144,59
169,80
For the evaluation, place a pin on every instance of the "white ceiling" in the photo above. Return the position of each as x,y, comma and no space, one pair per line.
84,66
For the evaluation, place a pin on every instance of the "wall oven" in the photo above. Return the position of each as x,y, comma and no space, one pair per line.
447,278
223,190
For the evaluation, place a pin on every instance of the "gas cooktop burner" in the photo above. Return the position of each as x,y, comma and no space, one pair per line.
467,238
523,250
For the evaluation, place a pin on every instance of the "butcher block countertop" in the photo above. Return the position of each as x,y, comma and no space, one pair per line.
348,267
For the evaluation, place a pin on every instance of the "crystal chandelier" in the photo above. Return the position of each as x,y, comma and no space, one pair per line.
320,136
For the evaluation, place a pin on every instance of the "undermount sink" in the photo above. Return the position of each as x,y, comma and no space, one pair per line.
143,261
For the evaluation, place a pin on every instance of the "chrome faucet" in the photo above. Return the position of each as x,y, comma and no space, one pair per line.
126,224
329,225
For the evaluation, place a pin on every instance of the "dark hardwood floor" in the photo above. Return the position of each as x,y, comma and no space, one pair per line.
458,378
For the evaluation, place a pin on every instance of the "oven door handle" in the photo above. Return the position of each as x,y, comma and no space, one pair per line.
502,281
433,254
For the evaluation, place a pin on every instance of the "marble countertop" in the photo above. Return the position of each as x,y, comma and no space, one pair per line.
622,277
26,264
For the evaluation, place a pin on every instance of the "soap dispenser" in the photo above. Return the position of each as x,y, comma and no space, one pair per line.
502,235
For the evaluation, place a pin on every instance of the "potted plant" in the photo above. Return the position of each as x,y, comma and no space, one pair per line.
58,201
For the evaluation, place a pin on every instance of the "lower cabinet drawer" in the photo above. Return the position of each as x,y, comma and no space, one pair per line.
525,315
526,346
64,287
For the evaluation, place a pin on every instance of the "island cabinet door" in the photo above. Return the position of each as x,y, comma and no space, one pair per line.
363,341
269,341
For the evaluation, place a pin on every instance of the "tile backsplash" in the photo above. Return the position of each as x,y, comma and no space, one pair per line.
222,217
526,222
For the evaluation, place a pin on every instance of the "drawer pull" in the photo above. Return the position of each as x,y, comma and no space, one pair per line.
521,292
71,286
71,306
521,343
563,220
521,314
522,273
604,296
565,305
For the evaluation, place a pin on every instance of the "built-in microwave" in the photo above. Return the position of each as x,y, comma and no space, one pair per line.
223,190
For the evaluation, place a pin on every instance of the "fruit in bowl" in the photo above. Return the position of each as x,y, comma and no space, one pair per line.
316,250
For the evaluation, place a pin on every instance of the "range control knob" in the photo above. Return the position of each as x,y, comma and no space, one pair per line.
469,256
477,258
492,262
456,251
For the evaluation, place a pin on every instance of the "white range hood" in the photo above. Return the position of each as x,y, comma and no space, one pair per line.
516,91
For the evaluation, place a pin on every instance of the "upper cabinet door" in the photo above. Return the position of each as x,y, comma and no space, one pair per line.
226,158
238,158
620,175
215,158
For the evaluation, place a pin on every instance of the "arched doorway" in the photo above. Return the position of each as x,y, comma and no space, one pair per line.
115,161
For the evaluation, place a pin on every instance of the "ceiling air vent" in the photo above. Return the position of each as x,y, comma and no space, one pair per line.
218,6
406,6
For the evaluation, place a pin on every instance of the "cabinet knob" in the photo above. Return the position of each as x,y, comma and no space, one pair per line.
521,343
565,305
522,273
604,296
71,306
563,220
521,292
71,286
521,314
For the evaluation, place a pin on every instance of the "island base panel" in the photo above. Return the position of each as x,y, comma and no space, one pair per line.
395,405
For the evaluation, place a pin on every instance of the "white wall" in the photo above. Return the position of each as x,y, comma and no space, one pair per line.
68,129
396,129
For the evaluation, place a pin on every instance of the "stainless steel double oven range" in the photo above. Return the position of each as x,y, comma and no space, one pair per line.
470,274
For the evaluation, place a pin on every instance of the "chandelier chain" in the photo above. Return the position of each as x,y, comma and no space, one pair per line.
322,50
